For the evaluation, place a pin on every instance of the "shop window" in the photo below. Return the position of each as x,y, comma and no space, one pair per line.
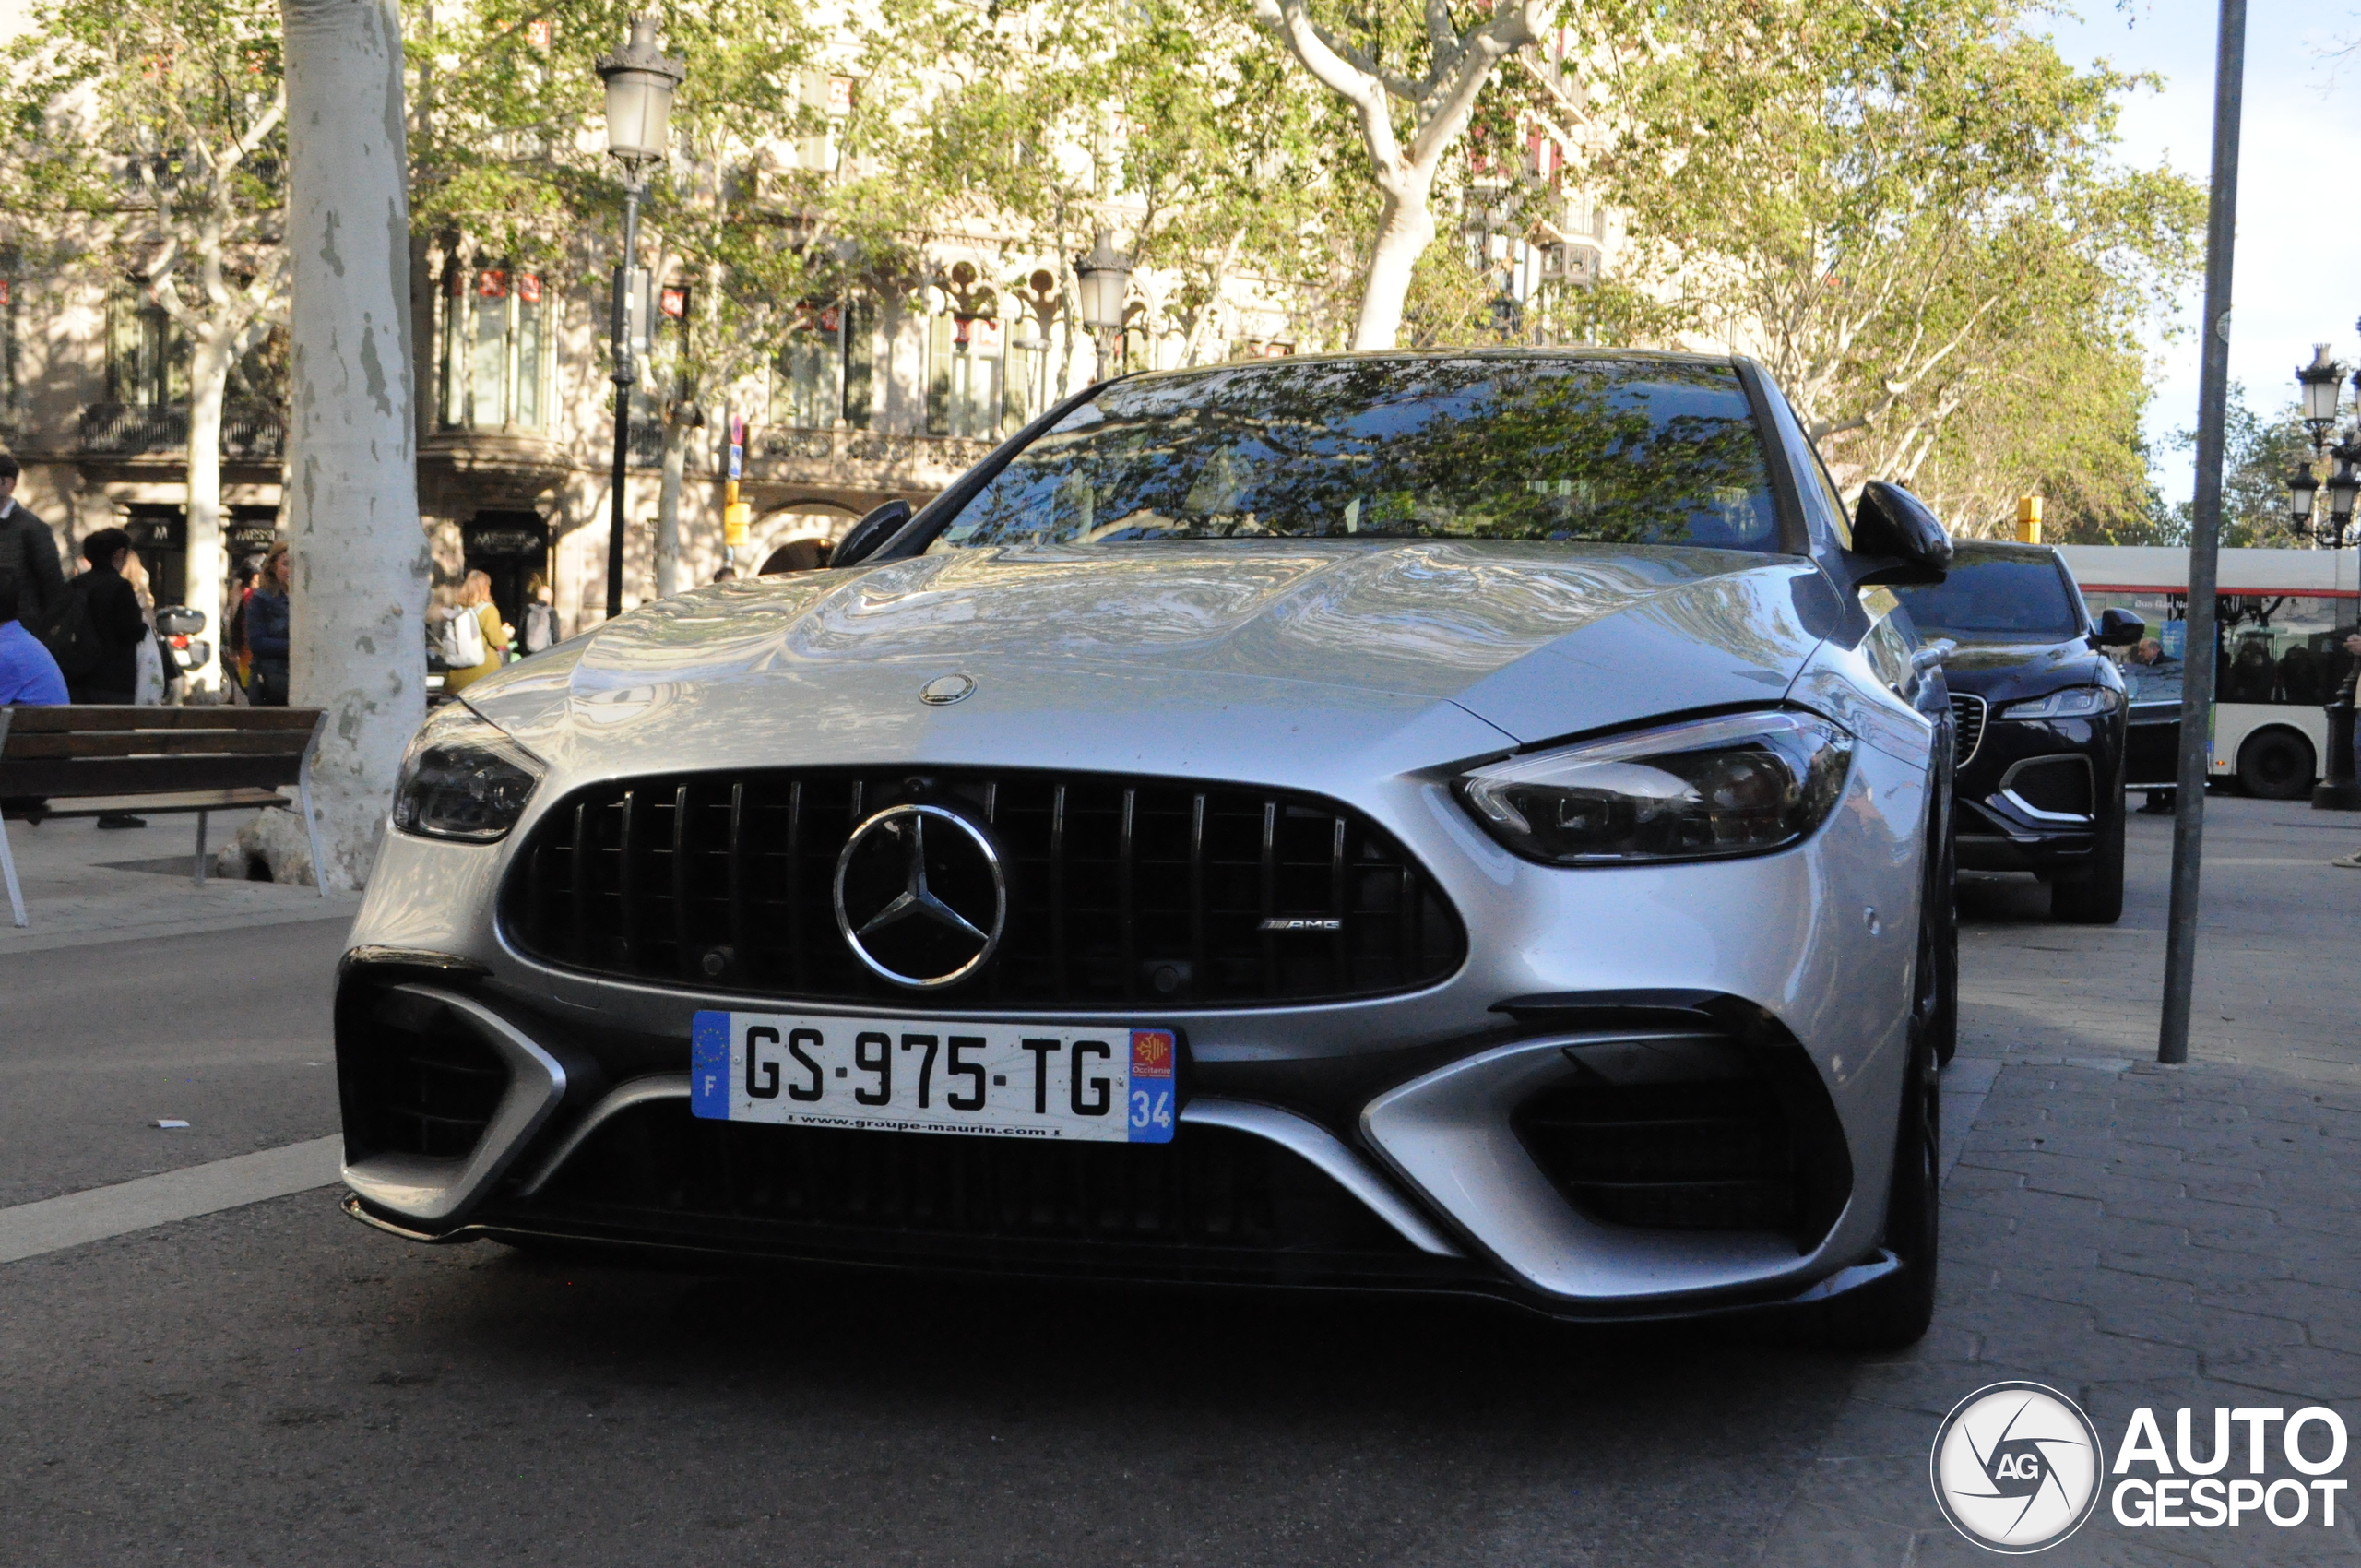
494,347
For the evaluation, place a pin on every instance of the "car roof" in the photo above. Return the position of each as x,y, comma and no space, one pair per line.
1968,551
1425,356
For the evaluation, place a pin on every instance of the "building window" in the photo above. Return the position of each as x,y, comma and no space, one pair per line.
147,354
494,349
827,371
964,367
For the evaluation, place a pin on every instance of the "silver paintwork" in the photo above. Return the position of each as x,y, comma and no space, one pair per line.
1319,1147
622,1097
1369,672
439,1191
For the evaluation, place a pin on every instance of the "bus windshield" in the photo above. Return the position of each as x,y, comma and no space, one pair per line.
1988,599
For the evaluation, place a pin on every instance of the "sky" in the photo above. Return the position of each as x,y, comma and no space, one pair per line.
2297,276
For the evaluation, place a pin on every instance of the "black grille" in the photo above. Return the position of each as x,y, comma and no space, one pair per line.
1213,1202
1722,1148
2060,786
415,1078
1121,890
1967,727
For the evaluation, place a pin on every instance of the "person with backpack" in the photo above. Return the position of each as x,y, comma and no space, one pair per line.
474,643
541,617
267,617
97,630
28,551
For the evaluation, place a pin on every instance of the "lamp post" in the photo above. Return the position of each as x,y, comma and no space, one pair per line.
640,83
2319,385
1103,278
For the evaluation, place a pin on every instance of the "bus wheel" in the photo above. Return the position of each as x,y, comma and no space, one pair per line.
2276,765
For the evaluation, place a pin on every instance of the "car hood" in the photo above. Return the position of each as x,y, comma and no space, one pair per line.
1192,658
2003,671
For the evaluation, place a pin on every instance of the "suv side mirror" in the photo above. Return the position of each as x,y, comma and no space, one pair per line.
1892,523
861,540
2119,628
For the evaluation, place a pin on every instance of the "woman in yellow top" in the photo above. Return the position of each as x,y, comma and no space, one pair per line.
474,596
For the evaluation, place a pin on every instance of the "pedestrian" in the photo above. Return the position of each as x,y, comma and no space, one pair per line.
29,673
796,555
267,629
102,664
540,616
727,575
237,658
29,551
490,641
28,678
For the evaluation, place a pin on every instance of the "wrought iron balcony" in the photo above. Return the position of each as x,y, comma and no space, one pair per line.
250,433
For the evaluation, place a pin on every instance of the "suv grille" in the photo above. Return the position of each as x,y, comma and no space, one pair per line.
1121,889
1967,727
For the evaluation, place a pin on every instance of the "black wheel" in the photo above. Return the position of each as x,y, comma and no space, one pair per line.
2276,765
2094,896
1895,1311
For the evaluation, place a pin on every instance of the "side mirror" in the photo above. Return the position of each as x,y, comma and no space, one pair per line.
1894,524
863,538
2119,628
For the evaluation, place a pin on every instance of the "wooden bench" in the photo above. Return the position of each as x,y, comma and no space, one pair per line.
98,761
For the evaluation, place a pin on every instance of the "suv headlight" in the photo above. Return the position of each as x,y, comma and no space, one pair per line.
1737,785
2074,702
463,778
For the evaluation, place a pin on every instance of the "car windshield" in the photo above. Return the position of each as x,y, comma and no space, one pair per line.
1620,452
1995,598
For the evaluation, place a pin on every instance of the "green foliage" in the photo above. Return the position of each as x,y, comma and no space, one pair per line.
1910,213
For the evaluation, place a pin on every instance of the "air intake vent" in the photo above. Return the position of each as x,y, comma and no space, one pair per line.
1120,890
1690,1133
1967,727
415,1080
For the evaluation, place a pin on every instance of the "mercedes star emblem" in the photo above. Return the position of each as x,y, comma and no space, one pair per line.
922,909
945,690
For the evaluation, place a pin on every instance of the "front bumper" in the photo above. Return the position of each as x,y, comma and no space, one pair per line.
1389,1142
2036,794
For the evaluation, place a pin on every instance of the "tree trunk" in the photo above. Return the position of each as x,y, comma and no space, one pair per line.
360,554
1405,229
208,381
669,576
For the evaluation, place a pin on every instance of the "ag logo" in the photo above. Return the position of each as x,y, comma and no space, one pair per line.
2016,1468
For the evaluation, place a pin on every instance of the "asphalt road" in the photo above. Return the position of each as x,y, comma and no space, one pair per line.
276,1385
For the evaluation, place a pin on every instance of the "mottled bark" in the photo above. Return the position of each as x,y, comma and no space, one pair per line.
360,553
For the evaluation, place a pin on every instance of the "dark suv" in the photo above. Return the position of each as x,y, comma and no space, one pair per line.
2040,727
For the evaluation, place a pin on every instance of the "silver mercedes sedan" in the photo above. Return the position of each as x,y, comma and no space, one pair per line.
1467,822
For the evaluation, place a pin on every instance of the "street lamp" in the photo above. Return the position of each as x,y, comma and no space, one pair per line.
2303,485
2320,381
1103,279
640,83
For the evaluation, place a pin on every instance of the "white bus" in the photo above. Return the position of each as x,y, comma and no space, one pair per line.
2282,618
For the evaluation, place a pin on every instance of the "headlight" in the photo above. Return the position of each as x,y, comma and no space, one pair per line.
2074,702
463,778
1736,785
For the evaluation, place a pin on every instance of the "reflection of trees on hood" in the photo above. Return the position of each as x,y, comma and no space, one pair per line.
1630,452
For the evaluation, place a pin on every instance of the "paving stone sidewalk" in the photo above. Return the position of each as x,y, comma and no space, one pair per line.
2130,1234
83,885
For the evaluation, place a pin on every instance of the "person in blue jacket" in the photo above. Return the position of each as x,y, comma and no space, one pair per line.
28,678
267,622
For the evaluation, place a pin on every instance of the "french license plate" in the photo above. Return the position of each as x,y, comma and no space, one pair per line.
1091,1082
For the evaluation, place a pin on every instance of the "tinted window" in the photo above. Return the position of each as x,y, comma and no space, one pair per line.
1987,599
1613,451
